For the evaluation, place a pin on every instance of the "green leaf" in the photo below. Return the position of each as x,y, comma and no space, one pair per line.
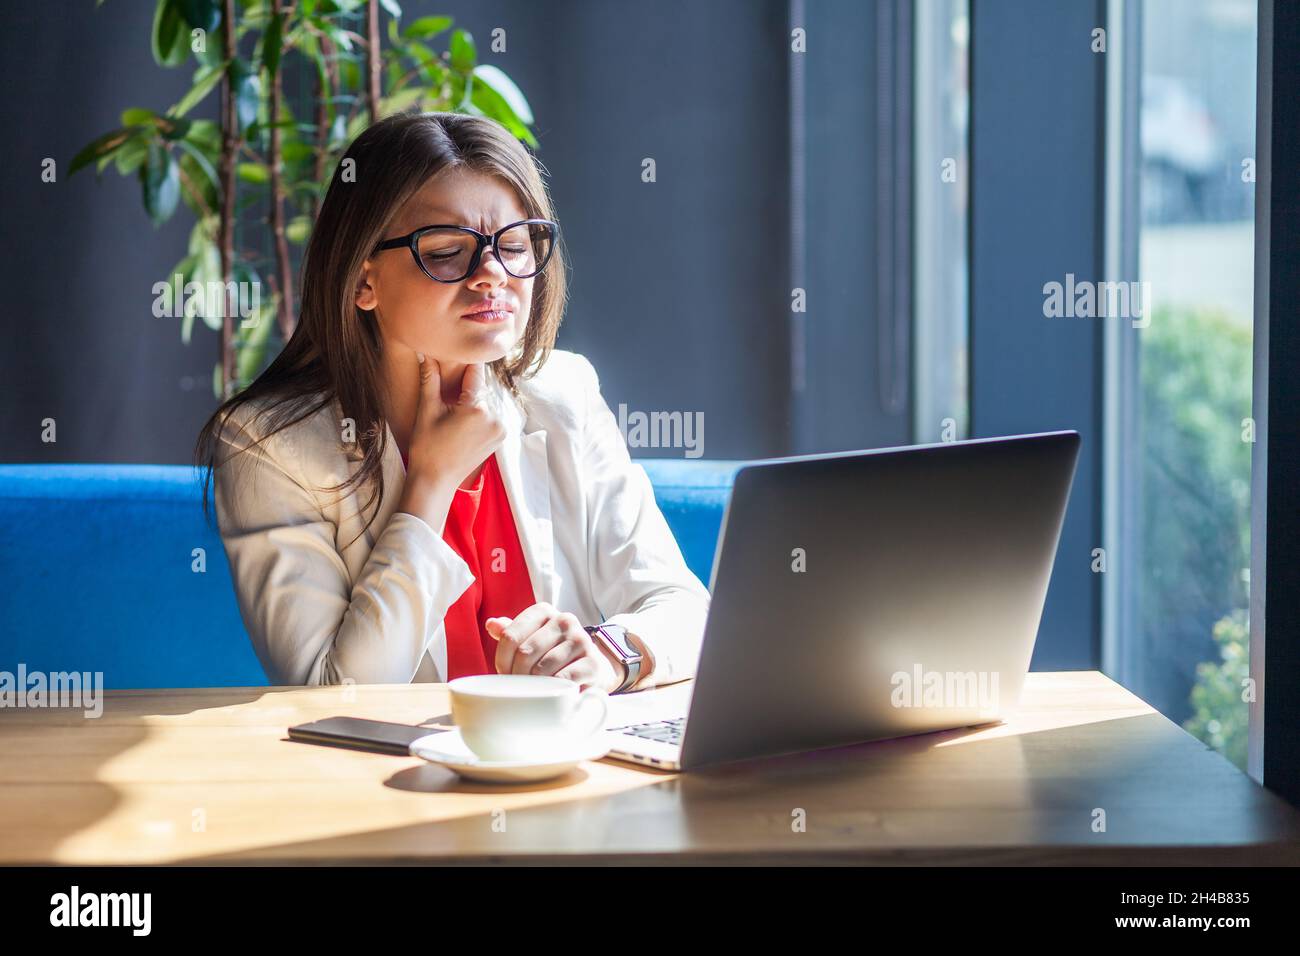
404,99
426,27
184,268
202,162
463,52
338,132
187,325
171,128
198,194
210,318
252,334
199,236
213,51
206,258
205,134
295,151
308,188
463,100
202,237
204,80
271,41
200,14
170,37
456,87
357,126
506,89
244,274
431,68
131,154
350,74
252,350
137,116
299,230
258,128
254,173
485,101
161,183
395,71
393,9
248,89
99,148
340,37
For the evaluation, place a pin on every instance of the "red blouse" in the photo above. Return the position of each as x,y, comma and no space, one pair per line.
481,529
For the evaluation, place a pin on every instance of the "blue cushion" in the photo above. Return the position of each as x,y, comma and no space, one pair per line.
98,568
692,494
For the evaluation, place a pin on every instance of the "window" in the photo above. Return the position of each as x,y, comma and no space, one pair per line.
1180,376
941,176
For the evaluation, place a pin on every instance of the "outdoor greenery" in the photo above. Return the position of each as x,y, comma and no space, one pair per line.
1196,381
1222,718
255,177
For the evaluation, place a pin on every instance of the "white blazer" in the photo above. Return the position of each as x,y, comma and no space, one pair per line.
322,612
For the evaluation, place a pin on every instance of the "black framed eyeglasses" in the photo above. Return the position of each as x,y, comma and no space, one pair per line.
452,253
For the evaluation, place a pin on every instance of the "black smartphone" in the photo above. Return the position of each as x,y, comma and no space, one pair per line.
378,736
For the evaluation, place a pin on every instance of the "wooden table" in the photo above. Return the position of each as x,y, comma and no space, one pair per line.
209,776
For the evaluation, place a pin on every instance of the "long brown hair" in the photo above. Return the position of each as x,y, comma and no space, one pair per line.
334,352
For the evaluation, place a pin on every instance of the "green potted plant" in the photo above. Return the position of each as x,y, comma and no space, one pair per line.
255,177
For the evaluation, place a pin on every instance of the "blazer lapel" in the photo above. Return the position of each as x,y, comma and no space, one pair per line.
522,462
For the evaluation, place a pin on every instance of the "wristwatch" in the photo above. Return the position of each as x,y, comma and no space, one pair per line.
614,637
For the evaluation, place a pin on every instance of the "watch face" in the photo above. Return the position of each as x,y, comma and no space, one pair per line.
618,637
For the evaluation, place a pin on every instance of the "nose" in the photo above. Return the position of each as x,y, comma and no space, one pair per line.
489,272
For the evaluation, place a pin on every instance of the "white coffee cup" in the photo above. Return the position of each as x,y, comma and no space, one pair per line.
516,717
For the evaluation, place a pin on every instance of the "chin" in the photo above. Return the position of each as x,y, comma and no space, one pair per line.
486,354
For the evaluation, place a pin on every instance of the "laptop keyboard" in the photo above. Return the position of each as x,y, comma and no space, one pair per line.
665,731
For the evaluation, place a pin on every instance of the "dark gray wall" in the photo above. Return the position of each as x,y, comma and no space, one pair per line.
1037,96
858,229
80,342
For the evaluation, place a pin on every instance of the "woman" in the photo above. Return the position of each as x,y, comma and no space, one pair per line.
503,522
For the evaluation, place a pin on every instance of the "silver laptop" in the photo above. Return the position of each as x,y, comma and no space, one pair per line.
861,596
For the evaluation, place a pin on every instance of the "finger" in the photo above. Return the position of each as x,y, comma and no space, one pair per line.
525,623
473,384
568,650
582,671
536,646
430,397
495,625
529,620
563,640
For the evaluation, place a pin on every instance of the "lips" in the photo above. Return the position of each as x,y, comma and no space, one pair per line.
488,309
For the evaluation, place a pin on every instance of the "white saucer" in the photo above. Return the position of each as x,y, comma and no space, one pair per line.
449,749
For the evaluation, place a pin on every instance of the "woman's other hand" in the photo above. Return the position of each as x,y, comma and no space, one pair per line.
541,640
